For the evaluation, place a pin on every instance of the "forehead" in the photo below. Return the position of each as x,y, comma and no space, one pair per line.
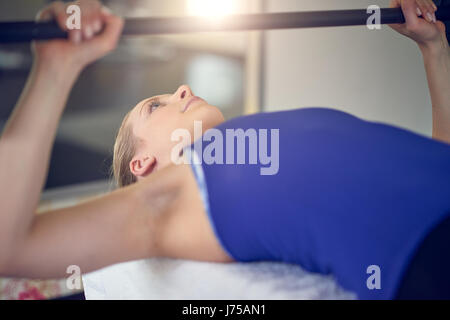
141,104
135,112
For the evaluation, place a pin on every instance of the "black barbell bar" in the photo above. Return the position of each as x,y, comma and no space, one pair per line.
29,30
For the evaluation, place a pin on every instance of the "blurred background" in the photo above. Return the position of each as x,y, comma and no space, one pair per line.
214,65
376,75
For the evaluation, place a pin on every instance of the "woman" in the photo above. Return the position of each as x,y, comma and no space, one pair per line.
181,211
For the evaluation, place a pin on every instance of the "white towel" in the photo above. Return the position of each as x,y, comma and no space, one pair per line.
181,279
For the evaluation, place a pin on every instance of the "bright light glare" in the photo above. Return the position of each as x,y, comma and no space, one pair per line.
211,7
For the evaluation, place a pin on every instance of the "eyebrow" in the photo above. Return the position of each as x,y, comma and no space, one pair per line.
146,102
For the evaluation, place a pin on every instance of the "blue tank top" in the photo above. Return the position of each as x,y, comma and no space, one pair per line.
348,195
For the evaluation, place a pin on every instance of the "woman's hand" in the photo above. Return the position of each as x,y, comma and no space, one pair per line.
421,24
99,34
422,27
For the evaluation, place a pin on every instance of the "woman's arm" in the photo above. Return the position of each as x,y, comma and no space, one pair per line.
160,216
437,65
28,136
25,147
91,235
422,27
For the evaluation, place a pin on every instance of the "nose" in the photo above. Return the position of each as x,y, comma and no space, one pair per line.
183,92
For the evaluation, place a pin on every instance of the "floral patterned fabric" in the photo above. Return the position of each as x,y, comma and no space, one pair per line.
24,289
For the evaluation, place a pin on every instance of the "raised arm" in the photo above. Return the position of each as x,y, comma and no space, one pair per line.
422,27
437,65
27,139
162,215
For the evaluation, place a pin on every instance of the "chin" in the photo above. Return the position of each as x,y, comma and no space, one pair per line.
215,116
211,116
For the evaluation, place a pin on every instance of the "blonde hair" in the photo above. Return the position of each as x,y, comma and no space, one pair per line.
124,150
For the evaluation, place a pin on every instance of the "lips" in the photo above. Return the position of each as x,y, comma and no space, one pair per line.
192,100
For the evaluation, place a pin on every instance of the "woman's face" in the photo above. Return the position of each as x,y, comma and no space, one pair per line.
154,120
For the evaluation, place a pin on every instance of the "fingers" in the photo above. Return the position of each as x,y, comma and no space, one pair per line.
421,24
427,9
55,11
422,8
412,11
395,4
409,8
109,38
91,21
90,16
44,15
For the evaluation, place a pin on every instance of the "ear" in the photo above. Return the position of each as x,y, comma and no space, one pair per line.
141,166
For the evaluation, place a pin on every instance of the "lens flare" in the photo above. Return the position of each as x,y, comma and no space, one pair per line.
208,8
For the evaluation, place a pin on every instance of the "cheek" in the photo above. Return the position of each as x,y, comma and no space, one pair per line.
162,126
